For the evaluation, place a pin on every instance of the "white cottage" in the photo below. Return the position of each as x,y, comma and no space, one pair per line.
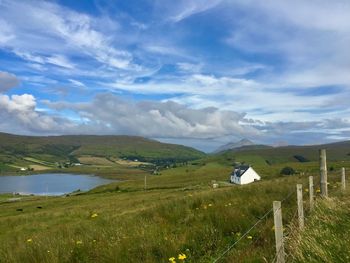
244,174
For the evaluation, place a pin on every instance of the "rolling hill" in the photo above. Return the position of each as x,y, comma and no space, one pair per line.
69,148
274,155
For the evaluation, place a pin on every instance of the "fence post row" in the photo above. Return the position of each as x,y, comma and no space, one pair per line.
343,178
277,212
311,192
323,173
300,206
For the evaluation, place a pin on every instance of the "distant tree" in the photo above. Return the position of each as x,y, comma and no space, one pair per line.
287,171
331,168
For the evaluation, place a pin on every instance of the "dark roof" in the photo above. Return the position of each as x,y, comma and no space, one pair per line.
240,170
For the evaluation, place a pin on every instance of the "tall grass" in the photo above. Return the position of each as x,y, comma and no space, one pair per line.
326,237
180,213
149,227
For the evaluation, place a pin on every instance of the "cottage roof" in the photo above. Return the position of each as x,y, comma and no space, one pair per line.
240,170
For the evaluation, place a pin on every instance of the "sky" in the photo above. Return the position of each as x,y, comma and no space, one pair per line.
194,72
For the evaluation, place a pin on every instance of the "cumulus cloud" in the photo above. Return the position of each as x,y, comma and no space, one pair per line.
111,114
169,121
18,114
7,81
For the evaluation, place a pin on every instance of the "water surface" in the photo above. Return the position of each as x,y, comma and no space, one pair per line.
50,183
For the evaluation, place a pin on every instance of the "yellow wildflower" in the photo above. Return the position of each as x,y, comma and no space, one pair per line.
318,191
29,240
205,207
210,205
48,251
306,190
79,242
94,215
172,260
249,237
229,203
182,256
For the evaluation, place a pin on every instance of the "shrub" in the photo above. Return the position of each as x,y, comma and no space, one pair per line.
287,171
301,158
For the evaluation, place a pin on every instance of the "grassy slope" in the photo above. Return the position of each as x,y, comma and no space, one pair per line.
335,151
16,149
179,213
326,237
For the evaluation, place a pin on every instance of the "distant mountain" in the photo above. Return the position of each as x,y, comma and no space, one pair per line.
70,147
234,145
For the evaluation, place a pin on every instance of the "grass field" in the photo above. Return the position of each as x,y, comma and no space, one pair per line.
179,213
95,160
326,237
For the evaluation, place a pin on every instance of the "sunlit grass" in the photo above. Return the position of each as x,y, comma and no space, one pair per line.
179,214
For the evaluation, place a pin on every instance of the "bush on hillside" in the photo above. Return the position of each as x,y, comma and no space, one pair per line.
301,158
287,171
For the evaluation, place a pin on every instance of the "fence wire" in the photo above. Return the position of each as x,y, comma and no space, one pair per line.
251,228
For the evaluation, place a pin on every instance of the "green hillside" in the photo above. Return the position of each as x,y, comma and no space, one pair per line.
269,155
15,149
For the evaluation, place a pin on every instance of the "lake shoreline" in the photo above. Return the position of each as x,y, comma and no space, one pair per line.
50,184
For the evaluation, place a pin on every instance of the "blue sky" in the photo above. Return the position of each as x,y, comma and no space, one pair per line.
199,73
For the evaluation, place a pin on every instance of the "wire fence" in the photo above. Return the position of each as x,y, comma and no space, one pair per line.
291,225
266,214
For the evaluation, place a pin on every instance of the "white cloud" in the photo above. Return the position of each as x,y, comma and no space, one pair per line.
49,28
5,32
110,114
169,121
309,38
184,9
18,114
77,83
61,61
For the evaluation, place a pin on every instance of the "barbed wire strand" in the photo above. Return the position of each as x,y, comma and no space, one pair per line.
251,228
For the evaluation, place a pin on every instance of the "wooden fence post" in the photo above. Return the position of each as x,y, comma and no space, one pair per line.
145,187
343,178
311,192
277,212
323,173
300,205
